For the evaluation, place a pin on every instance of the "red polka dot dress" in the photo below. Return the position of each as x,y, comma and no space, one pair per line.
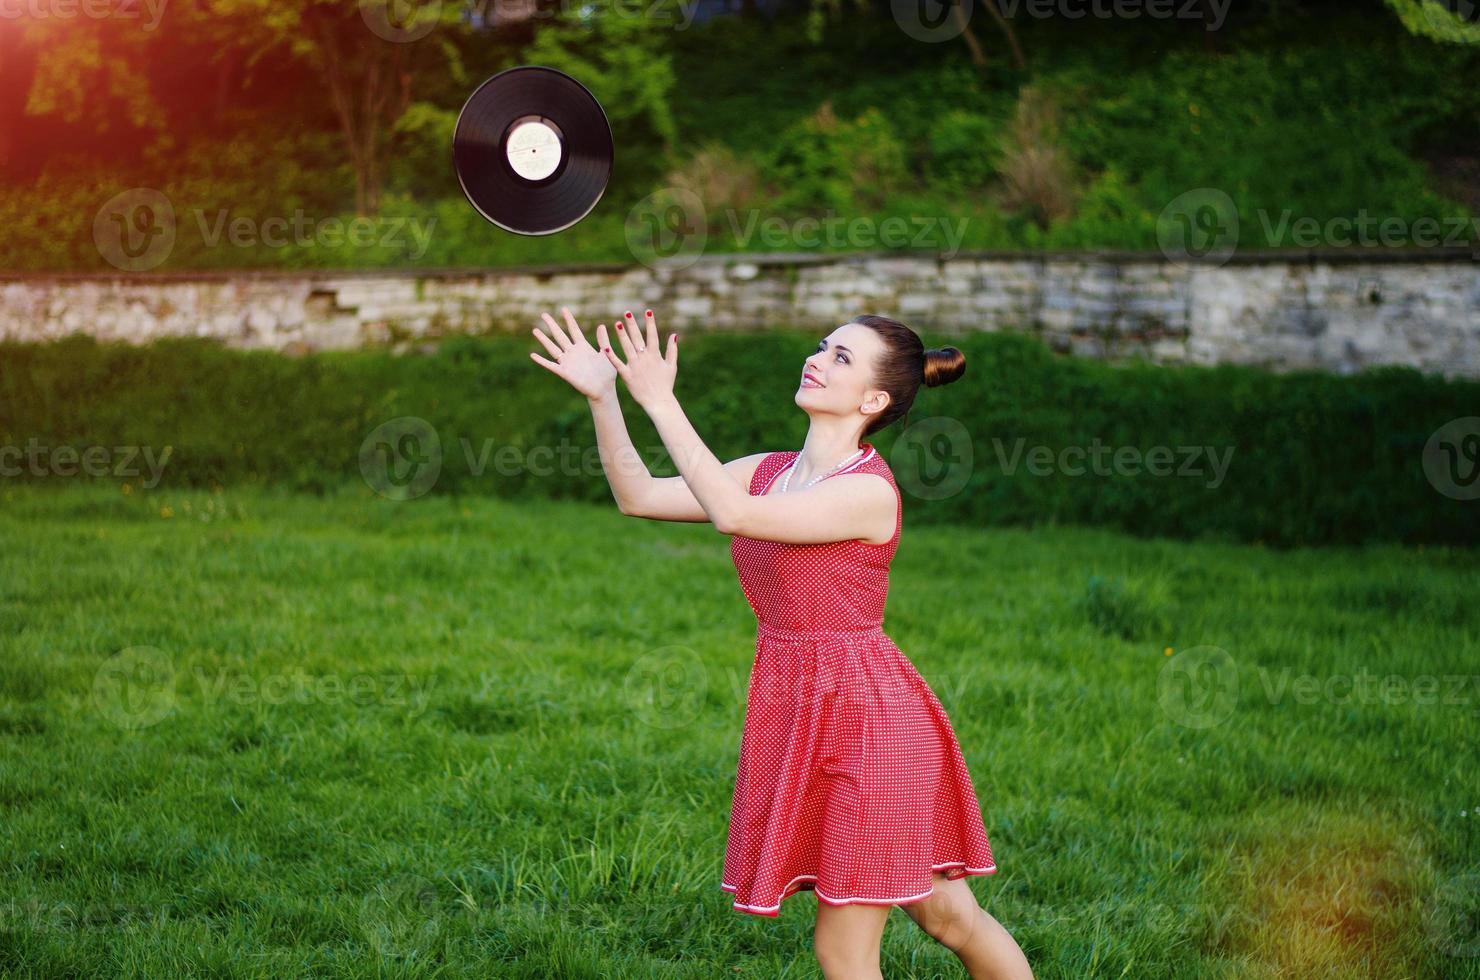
850,781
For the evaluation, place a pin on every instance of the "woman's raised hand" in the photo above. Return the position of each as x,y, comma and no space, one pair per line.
648,371
586,369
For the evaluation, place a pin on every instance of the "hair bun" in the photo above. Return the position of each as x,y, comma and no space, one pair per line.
943,365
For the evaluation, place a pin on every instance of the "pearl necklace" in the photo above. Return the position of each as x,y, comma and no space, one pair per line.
787,482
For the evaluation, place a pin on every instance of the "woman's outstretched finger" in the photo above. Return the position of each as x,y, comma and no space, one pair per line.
653,340
635,329
555,349
627,341
609,354
570,321
556,331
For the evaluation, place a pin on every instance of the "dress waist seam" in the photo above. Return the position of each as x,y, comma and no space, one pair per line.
768,629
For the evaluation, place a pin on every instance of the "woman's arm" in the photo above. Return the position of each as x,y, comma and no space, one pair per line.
637,492
846,510
842,508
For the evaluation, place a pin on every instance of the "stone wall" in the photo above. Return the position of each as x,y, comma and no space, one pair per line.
1338,311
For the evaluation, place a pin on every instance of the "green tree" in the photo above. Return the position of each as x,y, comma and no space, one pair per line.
617,52
366,54
80,70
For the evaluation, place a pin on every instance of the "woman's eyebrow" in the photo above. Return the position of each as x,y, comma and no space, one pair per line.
840,346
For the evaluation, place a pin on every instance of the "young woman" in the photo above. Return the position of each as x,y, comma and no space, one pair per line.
850,782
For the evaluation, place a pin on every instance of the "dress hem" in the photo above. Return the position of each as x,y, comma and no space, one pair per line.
794,886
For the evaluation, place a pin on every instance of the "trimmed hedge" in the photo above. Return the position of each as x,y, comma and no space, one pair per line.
1315,458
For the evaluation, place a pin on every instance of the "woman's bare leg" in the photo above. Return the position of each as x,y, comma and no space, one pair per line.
847,940
952,917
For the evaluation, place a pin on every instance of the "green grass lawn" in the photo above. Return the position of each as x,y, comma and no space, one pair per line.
255,734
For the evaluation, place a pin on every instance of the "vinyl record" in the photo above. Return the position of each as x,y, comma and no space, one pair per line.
533,150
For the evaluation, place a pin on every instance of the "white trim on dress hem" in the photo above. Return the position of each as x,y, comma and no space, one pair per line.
846,901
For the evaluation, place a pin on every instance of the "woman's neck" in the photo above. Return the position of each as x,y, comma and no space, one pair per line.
819,459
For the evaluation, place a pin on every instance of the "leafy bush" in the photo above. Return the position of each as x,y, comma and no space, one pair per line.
1265,127
825,162
965,150
1109,209
621,58
256,417
1037,175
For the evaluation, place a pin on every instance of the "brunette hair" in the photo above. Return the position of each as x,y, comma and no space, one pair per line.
905,365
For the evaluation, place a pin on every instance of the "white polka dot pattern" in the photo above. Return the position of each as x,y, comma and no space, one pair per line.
850,781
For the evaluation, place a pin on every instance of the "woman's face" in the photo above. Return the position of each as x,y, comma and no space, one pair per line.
842,366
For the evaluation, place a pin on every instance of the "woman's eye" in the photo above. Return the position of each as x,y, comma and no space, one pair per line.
819,347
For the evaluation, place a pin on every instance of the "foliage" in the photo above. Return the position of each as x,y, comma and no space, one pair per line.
622,60
1037,176
236,418
1288,123
1453,22
825,162
965,150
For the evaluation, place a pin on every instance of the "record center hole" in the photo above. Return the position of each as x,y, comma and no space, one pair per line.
533,148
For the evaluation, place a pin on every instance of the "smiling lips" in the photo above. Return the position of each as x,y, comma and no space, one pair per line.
810,382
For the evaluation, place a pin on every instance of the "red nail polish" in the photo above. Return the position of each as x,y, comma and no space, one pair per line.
619,324
649,312
629,313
